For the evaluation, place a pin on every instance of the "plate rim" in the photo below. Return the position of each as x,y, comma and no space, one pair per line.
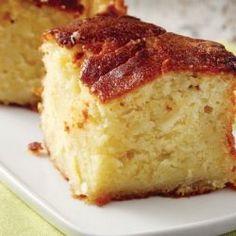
50,214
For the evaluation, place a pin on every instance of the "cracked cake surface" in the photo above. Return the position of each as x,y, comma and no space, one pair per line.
127,53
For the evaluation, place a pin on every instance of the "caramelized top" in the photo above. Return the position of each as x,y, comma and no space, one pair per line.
103,30
65,5
120,54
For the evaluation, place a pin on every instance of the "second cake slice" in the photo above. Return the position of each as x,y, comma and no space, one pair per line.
21,24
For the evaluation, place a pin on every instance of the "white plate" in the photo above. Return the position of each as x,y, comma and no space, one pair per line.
40,185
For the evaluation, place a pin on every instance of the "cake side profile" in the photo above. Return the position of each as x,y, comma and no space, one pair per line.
21,26
130,110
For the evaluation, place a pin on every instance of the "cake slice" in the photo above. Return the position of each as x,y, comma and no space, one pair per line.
130,110
21,26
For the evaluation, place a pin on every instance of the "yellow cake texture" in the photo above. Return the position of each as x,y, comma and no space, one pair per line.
21,24
130,110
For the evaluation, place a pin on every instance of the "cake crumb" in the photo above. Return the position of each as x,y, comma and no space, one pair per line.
196,87
208,109
169,108
85,115
36,148
66,127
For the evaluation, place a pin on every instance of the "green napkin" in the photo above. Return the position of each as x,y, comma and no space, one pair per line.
17,219
230,234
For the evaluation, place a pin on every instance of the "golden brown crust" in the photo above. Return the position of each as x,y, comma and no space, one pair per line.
103,30
32,107
127,53
77,7
195,190
74,6
101,201
117,9
121,7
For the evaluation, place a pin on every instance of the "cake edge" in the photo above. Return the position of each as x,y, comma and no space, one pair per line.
176,193
106,198
168,53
